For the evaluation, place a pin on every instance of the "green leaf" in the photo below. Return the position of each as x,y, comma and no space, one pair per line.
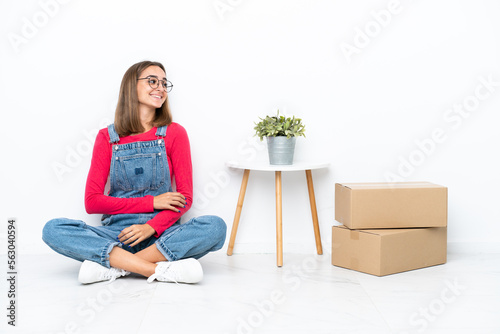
279,125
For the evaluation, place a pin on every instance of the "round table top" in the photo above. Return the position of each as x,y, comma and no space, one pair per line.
265,166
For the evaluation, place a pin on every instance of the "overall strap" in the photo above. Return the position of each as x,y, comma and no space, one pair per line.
113,136
161,131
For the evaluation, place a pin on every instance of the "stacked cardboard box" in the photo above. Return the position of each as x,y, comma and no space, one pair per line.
389,227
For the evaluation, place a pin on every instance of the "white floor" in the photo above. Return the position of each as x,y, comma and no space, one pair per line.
249,294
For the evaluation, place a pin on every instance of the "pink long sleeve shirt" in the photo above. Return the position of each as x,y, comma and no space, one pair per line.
179,163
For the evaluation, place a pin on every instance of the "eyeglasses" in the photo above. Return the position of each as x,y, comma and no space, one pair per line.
154,82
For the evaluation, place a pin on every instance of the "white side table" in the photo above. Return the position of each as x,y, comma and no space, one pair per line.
277,169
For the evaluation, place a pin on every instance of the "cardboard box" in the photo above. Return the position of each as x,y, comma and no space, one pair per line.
391,205
387,251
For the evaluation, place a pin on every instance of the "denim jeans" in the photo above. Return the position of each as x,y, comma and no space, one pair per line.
137,169
77,240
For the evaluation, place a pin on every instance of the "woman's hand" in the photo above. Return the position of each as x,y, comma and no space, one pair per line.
169,201
134,234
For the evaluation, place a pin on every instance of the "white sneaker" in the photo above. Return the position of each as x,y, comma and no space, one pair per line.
92,272
181,271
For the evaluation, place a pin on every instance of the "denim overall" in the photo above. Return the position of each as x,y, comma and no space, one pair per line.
137,169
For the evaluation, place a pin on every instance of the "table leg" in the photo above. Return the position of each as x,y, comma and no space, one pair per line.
237,215
279,226
314,212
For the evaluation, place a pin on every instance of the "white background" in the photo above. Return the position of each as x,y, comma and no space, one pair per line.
232,62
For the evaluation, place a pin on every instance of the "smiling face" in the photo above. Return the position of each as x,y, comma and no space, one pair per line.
151,98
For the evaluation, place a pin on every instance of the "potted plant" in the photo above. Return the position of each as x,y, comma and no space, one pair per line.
281,133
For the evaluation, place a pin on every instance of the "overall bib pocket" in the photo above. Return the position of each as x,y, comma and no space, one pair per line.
139,172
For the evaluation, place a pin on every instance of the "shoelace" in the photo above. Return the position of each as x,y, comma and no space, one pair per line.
113,273
166,272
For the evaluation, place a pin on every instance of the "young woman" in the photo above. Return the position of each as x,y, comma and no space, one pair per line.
141,153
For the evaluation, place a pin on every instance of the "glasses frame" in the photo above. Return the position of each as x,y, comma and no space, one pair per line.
168,88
